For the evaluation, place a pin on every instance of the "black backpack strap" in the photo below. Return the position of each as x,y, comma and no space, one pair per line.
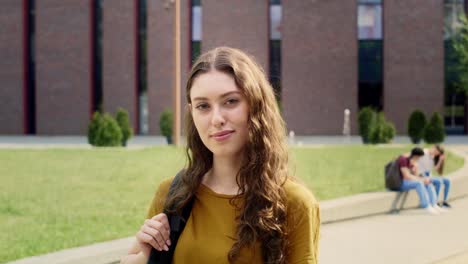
177,225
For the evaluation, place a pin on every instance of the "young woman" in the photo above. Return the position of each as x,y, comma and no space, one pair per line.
246,208
434,159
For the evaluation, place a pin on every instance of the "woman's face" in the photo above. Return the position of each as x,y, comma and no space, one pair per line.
220,113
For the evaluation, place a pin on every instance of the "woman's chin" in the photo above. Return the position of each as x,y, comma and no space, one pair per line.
225,151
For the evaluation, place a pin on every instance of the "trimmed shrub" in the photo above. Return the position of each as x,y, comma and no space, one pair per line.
108,134
124,123
376,133
93,128
389,131
435,132
366,120
165,125
382,131
416,124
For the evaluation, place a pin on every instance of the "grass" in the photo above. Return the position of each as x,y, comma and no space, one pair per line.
338,171
55,199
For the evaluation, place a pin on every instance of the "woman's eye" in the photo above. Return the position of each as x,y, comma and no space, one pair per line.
202,106
232,101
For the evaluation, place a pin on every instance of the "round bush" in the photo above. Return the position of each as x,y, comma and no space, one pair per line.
416,125
108,134
165,123
382,131
389,132
366,120
93,128
124,123
435,132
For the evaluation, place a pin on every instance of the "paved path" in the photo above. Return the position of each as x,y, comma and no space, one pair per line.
145,141
413,236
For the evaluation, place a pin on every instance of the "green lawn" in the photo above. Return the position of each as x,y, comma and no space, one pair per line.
56,199
337,171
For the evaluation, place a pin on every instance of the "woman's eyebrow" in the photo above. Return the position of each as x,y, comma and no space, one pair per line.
199,98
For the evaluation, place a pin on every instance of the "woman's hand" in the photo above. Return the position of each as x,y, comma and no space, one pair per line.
154,233
427,180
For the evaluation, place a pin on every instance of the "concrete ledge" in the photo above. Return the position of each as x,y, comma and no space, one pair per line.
340,209
368,204
99,253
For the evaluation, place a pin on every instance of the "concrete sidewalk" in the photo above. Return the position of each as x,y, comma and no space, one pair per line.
459,258
413,236
71,141
99,253
147,141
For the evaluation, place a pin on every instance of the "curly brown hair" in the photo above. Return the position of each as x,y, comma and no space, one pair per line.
441,150
264,169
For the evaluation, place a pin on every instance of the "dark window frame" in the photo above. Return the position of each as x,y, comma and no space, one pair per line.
29,119
371,85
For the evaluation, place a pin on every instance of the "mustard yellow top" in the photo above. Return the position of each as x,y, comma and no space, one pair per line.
210,230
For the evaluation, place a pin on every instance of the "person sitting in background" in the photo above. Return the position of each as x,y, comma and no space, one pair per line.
410,180
434,159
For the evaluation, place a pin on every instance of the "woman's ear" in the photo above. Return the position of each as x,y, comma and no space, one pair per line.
189,107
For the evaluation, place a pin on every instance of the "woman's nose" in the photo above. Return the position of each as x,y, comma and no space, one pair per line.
217,119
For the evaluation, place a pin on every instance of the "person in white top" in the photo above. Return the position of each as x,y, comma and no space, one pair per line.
434,159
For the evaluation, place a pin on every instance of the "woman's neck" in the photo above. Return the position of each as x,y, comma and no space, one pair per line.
222,176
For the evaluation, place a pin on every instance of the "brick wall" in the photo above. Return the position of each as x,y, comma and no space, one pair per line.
241,24
319,65
161,58
63,66
413,59
118,48
11,67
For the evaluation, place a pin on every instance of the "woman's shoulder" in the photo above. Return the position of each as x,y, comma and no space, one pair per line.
159,197
164,186
298,194
303,210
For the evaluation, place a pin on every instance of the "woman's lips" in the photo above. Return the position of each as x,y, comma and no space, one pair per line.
223,135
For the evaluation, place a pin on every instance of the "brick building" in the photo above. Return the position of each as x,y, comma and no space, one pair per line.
62,60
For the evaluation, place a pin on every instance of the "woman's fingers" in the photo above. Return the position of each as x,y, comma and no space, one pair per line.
162,228
148,239
157,236
162,218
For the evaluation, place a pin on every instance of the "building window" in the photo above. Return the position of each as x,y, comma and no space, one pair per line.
453,10
370,39
96,13
370,21
142,106
30,67
196,30
454,101
275,46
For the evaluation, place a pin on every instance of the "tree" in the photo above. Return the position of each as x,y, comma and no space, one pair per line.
459,69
